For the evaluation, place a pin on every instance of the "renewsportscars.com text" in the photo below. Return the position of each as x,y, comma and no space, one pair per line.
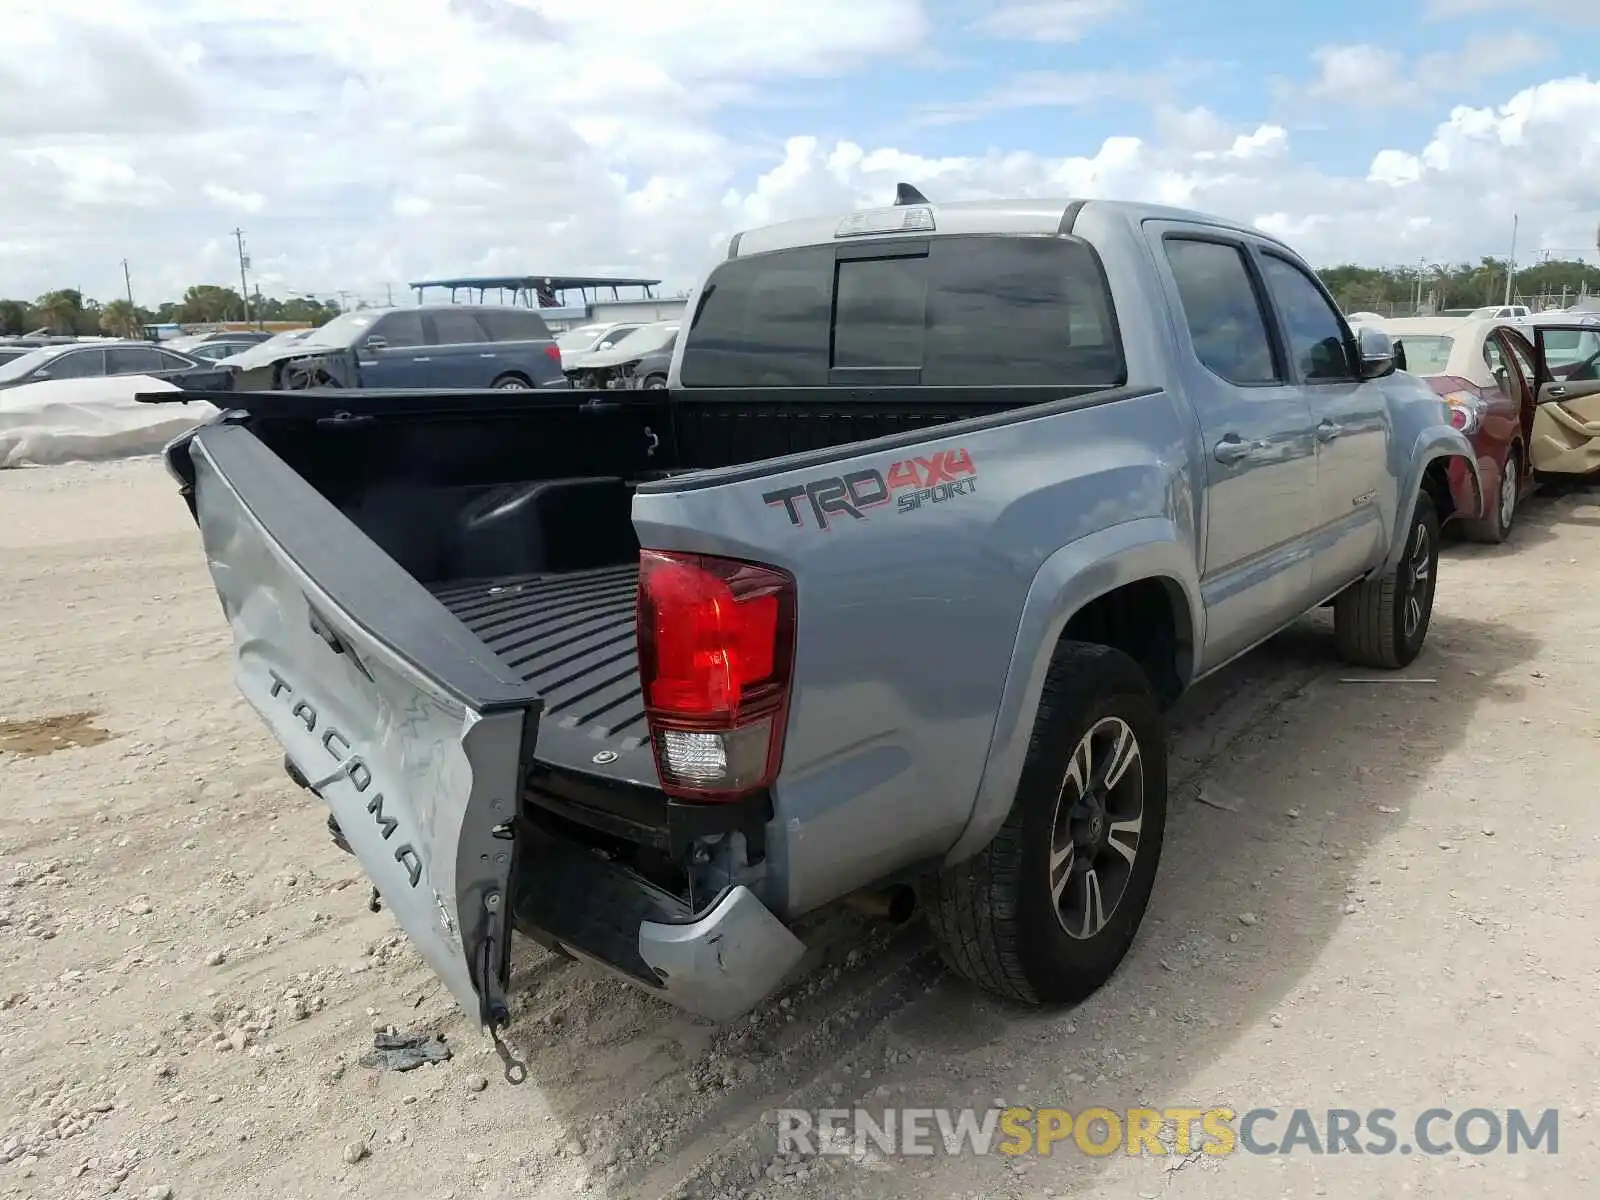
1160,1131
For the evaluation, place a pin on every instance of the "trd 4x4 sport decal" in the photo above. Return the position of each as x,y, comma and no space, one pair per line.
911,484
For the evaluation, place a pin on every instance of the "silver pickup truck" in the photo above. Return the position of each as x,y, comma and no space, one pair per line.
881,599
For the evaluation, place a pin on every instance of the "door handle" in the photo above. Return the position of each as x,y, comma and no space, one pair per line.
422,360
1557,391
485,356
1327,431
1232,449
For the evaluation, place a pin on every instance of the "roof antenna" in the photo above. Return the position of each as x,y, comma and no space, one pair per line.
904,193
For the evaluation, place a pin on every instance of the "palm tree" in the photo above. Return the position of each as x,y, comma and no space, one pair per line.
59,310
119,318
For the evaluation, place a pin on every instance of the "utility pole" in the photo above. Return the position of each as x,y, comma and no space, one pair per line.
127,281
389,288
1511,265
244,262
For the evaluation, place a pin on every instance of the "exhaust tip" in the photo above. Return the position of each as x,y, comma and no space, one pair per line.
896,904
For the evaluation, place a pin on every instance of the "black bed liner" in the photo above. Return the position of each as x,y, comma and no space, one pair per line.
571,636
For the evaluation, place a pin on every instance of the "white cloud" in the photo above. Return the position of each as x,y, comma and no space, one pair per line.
363,143
1066,89
229,198
1367,76
1574,12
1061,21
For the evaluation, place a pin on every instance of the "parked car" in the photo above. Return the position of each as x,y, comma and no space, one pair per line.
882,597
7,353
265,353
1484,370
651,370
429,346
594,337
85,360
1500,312
218,350
1565,438
615,368
188,343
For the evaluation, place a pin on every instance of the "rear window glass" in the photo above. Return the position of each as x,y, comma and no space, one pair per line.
961,311
1426,354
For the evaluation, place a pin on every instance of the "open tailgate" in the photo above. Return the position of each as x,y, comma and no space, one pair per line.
404,723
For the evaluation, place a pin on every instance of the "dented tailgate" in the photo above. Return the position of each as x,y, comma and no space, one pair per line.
403,722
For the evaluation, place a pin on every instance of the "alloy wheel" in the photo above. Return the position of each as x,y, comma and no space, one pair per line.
1418,576
1509,483
1095,834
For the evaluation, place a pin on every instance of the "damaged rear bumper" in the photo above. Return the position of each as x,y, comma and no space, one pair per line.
716,960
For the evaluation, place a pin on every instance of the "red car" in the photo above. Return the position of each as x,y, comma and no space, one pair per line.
1484,370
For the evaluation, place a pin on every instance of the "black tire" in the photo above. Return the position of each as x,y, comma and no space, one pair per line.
996,916
512,382
655,382
1495,528
1375,621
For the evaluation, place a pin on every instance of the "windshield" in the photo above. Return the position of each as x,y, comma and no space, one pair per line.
343,330
581,338
642,341
11,371
1427,354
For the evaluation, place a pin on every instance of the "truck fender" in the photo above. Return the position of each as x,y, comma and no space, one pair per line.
1075,575
1434,442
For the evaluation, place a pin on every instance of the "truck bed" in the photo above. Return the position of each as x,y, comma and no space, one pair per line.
571,636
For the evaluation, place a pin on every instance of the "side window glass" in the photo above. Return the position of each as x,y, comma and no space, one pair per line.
456,327
401,329
1523,353
84,364
1222,310
1316,335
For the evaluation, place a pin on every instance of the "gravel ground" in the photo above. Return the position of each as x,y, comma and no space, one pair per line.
1373,896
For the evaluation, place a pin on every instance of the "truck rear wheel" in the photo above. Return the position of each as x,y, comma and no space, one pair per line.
1046,912
1383,621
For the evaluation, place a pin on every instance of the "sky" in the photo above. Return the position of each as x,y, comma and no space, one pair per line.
363,143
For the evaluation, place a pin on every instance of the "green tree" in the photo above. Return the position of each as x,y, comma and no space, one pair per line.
121,319
206,303
58,311
13,317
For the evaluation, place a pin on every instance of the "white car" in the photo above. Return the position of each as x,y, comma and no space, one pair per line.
1503,312
591,339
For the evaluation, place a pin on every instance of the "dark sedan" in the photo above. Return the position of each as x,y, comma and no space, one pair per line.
651,370
96,360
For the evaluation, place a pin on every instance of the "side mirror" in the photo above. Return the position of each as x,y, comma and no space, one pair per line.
1377,351
375,343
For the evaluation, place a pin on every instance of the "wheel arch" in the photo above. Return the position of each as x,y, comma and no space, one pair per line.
1143,569
1430,460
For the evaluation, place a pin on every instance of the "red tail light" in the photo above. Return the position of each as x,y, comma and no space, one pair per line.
553,351
716,656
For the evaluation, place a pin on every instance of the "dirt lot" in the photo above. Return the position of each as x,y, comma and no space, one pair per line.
1374,895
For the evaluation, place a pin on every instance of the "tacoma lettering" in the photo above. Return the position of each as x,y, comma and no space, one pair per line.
353,767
